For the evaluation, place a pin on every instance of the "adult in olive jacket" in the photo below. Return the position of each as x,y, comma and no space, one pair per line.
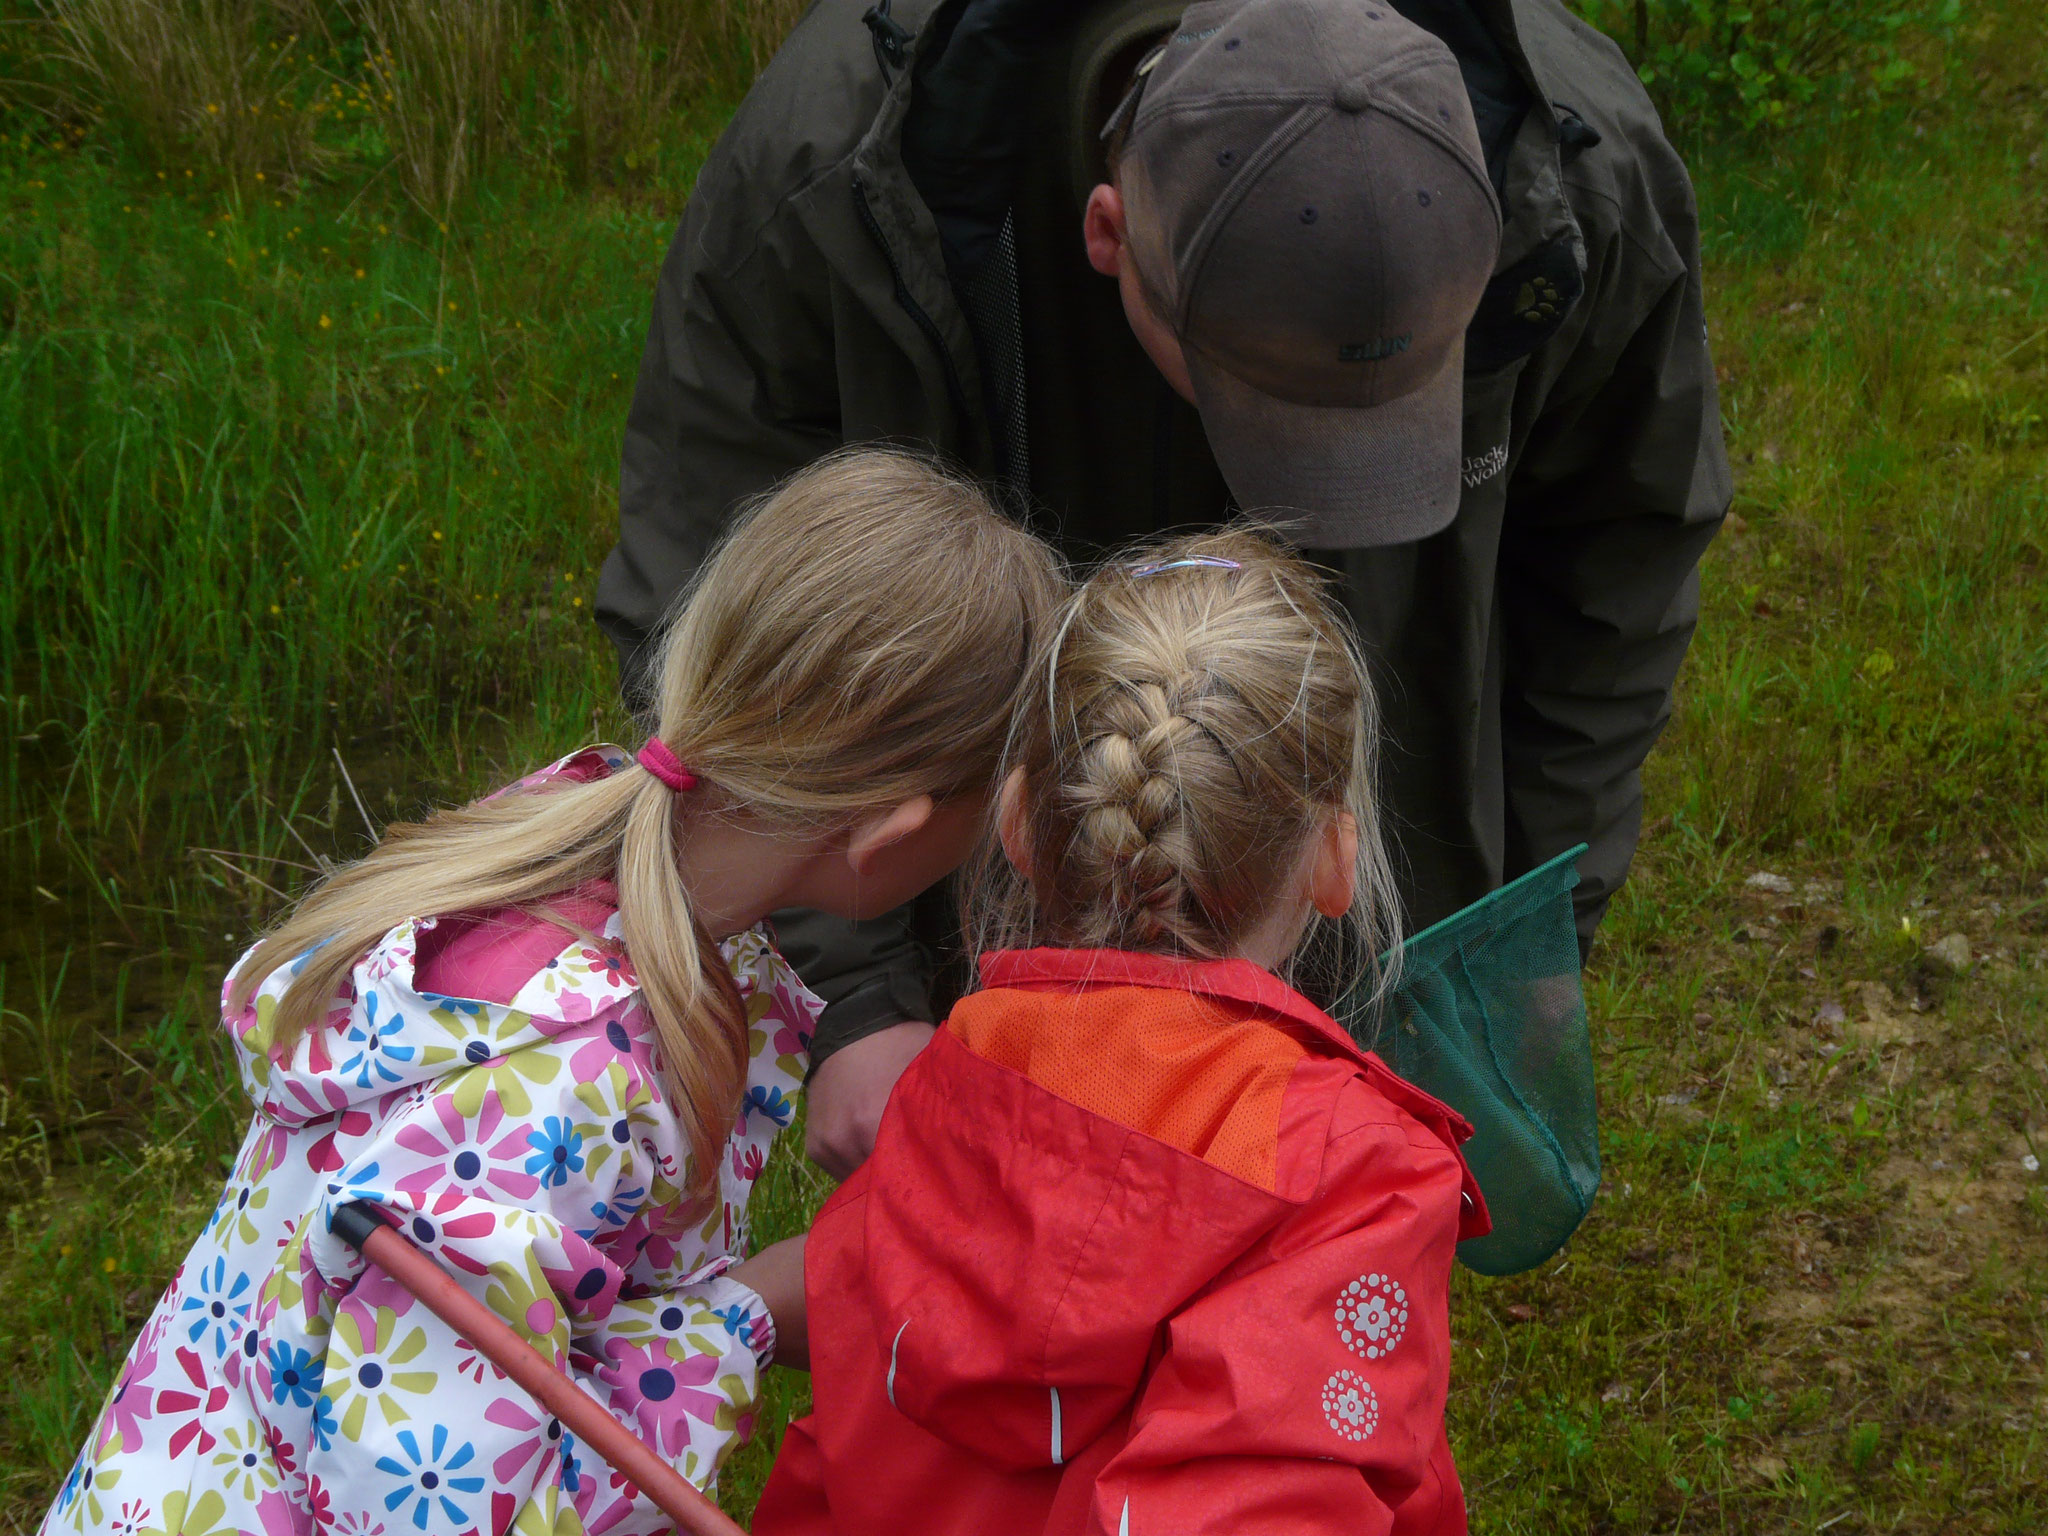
888,244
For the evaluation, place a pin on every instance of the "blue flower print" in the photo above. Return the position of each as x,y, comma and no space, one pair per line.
304,960
69,1493
572,1469
376,1056
735,1317
217,1306
616,1212
294,1375
428,1481
768,1101
325,1424
467,1006
557,1152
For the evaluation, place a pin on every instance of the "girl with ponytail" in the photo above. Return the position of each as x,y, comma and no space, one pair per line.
1147,1243
549,1034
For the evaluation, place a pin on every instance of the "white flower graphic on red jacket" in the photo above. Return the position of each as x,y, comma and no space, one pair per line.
1372,1315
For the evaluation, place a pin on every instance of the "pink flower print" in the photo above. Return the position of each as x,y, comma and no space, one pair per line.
133,1517
279,1516
444,1223
608,963
543,1438
471,1158
792,1037
325,1156
190,1406
660,1387
747,1163
131,1402
663,1163
279,1444
617,1042
471,1364
319,1504
266,1155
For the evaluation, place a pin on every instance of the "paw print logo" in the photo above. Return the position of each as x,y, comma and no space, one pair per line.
1350,1406
1372,1314
1538,300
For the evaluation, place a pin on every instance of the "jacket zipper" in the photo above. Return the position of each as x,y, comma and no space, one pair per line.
955,390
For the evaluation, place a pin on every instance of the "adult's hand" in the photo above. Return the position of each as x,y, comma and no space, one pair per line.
847,1094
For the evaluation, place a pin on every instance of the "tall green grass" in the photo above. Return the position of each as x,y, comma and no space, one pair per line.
303,452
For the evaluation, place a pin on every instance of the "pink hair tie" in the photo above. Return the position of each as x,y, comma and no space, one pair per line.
658,760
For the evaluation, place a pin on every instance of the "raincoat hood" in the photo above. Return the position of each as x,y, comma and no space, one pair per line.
403,1034
439,994
1023,1256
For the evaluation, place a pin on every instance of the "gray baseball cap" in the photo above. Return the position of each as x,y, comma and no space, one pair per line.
1309,210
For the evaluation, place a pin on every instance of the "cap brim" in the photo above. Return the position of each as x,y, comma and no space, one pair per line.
1339,477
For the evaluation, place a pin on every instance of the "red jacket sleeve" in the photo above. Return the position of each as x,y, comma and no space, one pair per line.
1305,1390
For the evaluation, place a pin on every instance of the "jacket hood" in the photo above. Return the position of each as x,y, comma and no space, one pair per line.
1023,1251
394,1032
1021,1306
396,1035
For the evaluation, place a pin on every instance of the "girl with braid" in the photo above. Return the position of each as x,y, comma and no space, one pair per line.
1147,1243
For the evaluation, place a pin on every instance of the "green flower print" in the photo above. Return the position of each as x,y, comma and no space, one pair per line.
94,1482
547,1513
523,1297
509,1075
186,1516
366,1368
242,1462
614,1100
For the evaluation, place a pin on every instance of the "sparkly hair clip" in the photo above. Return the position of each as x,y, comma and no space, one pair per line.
1185,563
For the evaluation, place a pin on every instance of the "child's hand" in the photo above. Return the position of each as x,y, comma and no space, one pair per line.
776,1275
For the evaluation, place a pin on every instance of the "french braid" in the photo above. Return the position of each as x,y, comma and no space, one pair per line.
1198,714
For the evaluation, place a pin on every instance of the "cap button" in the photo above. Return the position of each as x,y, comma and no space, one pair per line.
1354,95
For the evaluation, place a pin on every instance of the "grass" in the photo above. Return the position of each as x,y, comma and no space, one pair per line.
318,463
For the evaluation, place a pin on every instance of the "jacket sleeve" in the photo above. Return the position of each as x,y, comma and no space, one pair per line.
1308,1394
1623,485
528,1178
737,389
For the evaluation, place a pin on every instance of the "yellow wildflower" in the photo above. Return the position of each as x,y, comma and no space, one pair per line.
325,323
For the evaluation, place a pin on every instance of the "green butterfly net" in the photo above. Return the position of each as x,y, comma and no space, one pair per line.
1489,1017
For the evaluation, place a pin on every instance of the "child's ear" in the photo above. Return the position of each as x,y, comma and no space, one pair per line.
1333,882
869,837
1012,823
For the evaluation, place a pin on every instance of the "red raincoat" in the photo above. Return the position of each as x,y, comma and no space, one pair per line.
1144,1247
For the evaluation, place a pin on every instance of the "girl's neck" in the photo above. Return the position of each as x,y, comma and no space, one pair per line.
735,874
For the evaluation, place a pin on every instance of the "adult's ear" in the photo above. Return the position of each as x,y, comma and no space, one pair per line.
870,836
1333,883
1103,229
1013,822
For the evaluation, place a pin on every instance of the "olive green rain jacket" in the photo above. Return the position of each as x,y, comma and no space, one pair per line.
885,246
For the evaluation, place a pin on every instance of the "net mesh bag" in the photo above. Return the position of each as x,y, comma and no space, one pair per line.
1489,1017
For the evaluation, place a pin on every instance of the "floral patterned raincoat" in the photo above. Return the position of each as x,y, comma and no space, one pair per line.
492,1082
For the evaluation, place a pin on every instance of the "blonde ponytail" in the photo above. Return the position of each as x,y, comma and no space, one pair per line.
857,640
